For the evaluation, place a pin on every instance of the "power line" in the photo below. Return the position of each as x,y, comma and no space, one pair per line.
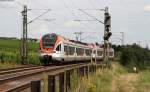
73,4
91,16
38,16
68,8
77,16
94,7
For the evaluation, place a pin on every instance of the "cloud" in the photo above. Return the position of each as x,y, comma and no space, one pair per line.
147,8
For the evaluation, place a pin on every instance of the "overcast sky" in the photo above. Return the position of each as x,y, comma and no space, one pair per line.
129,16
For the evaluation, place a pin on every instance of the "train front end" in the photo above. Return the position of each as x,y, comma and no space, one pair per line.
47,44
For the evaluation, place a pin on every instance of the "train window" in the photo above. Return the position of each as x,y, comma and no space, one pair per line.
58,48
80,51
71,50
65,49
48,41
94,51
99,53
88,52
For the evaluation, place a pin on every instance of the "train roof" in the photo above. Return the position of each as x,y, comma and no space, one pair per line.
71,41
78,42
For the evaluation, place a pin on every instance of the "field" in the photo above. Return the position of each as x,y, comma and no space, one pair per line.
118,79
10,52
14,45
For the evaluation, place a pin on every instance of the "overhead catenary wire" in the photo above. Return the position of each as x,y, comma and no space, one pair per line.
94,7
77,16
73,4
43,19
89,14
39,16
92,16
83,20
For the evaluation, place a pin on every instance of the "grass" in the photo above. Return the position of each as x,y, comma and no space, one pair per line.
10,52
74,80
143,83
99,82
117,79
14,57
13,45
8,65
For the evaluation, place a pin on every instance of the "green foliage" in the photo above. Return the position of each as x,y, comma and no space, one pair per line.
143,82
14,45
96,82
34,58
74,80
10,52
14,57
134,55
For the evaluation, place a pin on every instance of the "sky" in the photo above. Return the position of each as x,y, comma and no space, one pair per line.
129,16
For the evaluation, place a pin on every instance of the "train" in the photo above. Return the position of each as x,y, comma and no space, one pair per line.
58,49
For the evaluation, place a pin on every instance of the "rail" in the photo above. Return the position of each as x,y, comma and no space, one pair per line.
64,78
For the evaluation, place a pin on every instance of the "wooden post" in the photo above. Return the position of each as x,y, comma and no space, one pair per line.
61,82
68,79
78,71
51,83
87,71
95,68
84,70
90,68
35,86
81,71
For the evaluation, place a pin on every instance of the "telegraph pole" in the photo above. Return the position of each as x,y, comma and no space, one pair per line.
107,34
107,29
24,53
24,38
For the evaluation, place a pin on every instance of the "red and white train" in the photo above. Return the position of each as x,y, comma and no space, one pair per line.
55,48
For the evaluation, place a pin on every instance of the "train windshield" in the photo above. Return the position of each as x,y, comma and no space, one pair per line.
49,40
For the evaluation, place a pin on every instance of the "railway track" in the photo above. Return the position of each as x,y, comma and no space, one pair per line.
18,69
17,74
7,69
14,80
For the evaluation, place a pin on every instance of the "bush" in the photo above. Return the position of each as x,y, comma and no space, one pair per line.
134,55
